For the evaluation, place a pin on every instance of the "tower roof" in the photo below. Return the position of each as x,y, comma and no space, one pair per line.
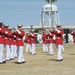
47,7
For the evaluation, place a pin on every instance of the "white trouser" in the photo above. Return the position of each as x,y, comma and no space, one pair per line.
1,53
45,48
4,57
59,56
62,47
51,49
7,52
12,52
20,57
33,48
15,51
28,46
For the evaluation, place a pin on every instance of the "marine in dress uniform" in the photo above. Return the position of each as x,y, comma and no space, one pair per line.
20,43
32,37
11,43
7,42
44,38
28,42
2,58
58,41
15,45
73,34
51,41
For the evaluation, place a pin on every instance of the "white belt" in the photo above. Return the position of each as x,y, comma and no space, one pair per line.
58,38
19,39
6,38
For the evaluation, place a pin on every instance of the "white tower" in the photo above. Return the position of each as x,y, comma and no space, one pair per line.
50,16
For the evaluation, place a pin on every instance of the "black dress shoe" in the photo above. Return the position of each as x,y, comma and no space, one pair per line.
19,62
23,62
35,54
4,61
59,60
12,59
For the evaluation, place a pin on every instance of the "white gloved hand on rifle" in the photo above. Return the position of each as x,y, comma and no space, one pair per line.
57,30
18,31
50,33
6,32
32,34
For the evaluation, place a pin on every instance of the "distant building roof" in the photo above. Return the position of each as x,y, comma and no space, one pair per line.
35,27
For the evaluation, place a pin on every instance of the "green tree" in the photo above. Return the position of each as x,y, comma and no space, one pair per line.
50,1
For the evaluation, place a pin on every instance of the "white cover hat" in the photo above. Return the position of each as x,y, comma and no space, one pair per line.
58,25
6,25
19,25
10,28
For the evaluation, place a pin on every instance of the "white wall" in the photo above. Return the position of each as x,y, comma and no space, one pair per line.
70,38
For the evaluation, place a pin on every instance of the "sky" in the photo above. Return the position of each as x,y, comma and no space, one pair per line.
28,12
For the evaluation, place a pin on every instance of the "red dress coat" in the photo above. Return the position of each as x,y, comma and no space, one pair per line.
32,37
14,38
19,39
45,38
51,35
28,39
73,33
11,39
58,35
1,35
6,37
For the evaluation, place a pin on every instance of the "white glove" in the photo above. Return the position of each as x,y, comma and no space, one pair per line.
6,32
24,38
58,30
50,33
18,31
54,37
14,35
32,34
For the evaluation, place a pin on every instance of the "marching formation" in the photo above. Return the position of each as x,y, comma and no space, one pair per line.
12,42
54,36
